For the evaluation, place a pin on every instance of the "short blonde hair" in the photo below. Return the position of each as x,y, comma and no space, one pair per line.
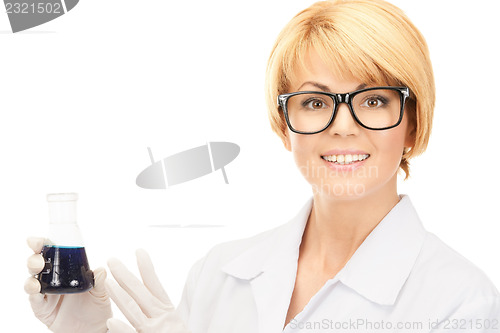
370,40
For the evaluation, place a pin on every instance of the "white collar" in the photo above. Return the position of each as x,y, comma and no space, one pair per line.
377,270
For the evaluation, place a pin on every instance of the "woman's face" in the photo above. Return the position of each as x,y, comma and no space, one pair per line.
377,174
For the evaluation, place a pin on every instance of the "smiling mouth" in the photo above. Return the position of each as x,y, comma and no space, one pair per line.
345,159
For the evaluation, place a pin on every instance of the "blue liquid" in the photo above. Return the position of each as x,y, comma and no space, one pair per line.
66,271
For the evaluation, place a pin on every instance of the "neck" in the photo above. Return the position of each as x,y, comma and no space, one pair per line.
338,226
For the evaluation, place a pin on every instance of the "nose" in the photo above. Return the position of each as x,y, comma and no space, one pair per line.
343,123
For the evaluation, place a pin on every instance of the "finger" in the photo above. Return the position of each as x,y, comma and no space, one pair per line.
32,286
35,243
149,304
35,263
150,278
125,303
118,326
99,289
45,306
37,299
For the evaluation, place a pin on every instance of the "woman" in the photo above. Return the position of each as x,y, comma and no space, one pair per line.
350,91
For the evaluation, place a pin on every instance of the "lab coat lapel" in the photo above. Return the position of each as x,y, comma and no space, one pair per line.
380,266
272,291
270,268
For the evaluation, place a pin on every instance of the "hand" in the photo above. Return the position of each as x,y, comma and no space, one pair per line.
146,306
77,313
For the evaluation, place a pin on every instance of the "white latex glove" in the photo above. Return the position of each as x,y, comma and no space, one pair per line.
77,313
146,306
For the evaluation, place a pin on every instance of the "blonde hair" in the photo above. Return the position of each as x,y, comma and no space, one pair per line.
370,40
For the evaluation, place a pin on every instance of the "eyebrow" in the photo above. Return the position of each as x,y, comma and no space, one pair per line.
325,87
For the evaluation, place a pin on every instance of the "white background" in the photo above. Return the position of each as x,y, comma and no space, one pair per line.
83,96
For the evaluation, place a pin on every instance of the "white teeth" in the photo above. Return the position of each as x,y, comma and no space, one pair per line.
345,159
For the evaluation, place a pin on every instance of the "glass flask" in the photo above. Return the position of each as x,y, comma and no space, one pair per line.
66,268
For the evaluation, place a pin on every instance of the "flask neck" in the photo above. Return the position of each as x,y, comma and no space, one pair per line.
62,212
63,229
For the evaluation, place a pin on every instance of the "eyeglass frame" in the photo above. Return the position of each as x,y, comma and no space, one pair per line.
282,101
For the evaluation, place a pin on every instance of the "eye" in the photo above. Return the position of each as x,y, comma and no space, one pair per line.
314,104
374,102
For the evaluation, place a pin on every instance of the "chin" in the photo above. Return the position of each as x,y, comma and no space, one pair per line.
340,188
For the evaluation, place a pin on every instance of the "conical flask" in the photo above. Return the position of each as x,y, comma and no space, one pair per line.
66,268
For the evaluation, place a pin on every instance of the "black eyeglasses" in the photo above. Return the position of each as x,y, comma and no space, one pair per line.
376,108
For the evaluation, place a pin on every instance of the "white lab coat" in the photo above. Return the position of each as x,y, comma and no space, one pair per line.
401,279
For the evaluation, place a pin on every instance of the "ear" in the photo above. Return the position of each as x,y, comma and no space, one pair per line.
411,134
410,117
286,141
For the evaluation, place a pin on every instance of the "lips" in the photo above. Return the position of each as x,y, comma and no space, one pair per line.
345,156
345,159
